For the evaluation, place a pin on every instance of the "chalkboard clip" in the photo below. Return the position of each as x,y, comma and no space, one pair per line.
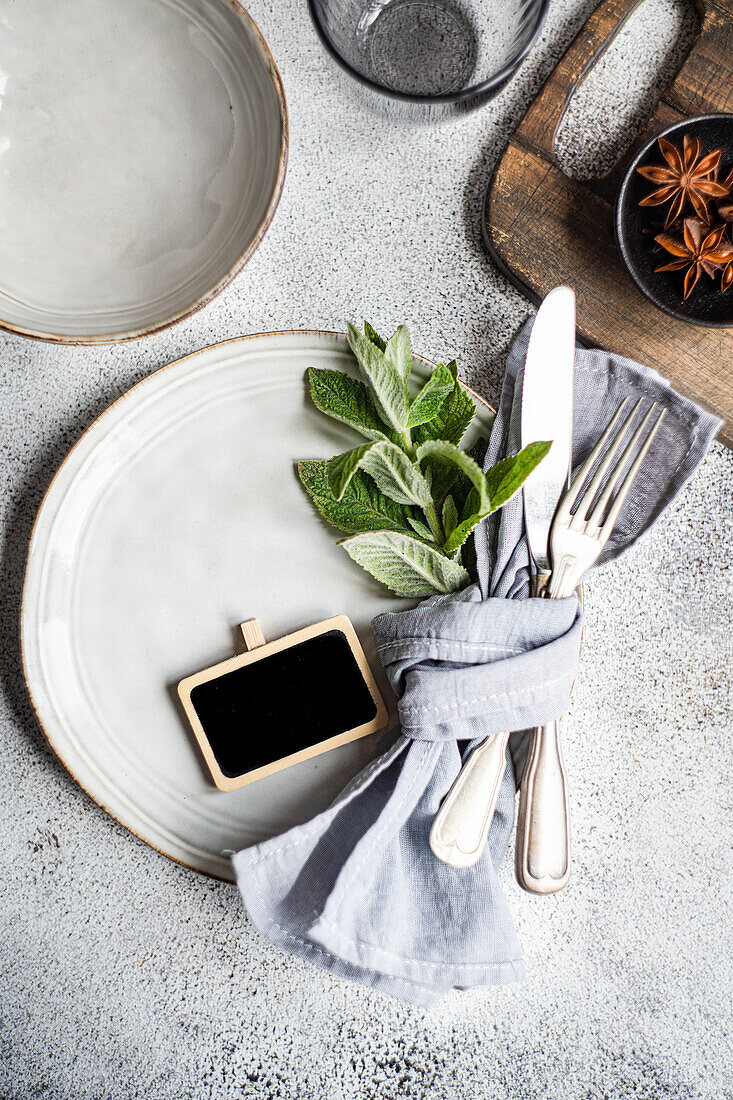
252,634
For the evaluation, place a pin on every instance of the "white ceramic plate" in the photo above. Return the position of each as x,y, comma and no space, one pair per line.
176,516
142,153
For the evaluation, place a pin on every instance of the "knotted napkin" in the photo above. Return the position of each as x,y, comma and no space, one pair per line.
357,890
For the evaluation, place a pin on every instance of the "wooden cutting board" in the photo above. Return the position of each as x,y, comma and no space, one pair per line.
543,228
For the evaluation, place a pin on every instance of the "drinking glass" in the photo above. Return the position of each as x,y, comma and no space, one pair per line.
425,60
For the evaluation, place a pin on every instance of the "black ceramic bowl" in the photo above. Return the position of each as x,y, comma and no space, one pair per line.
706,304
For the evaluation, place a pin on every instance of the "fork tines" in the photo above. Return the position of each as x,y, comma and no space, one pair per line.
577,506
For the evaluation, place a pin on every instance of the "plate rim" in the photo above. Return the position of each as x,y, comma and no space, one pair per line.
203,300
24,613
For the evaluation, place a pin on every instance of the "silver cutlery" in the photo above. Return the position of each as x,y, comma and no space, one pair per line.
582,525
461,826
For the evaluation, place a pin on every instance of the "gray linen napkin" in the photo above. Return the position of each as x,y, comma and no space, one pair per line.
357,890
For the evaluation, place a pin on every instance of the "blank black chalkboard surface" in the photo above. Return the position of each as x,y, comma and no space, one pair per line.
282,702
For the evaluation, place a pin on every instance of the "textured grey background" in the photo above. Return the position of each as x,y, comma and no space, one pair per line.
121,974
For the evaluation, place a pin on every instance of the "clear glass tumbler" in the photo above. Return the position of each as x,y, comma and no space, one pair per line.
428,59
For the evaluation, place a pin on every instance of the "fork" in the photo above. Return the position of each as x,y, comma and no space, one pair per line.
581,527
461,826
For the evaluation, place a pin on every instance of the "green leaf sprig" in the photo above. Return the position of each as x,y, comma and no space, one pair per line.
409,497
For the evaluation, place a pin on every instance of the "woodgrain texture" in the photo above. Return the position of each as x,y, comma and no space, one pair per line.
543,228
252,634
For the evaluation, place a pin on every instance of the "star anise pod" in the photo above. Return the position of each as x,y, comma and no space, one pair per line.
698,251
725,206
686,178
726,275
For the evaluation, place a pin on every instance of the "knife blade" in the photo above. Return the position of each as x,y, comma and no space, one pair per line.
461,826
543,825
547,413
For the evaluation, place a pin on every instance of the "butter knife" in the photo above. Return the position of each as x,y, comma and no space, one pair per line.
461,826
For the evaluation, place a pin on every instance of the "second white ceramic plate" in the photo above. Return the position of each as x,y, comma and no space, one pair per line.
142,152
176,516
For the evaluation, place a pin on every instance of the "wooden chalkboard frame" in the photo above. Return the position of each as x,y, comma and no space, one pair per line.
256,649
544,229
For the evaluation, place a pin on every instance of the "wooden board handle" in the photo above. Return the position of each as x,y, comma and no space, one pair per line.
542,121
698,88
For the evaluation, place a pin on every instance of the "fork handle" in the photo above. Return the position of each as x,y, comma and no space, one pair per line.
461,826
543,821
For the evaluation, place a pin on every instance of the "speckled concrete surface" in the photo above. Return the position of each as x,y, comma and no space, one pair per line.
122,975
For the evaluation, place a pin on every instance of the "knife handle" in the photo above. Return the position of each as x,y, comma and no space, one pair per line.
543,821
461,826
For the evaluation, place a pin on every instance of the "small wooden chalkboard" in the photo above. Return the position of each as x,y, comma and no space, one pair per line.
282,702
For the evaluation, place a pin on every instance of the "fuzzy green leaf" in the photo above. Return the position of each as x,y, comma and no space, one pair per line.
462,488
431,397
472,513
390,467
396,475
346,399
502,482
341,468
448,452
450,515
442,476
398,351
405,565
385,382
472,503
421,529
478,450
373,336
462,530
504,479
454,416
361,508
450,424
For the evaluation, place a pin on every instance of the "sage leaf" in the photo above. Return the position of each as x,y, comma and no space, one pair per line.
373,336
361,508
341,468
504,479
462,530
473,512
448,452
442,476
478,450
450,515
471,504
462,488
396,475
398,351
502,482
346,399
449,424
431,397
404,564
393,472
408,497
421,529
385,382
454,416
